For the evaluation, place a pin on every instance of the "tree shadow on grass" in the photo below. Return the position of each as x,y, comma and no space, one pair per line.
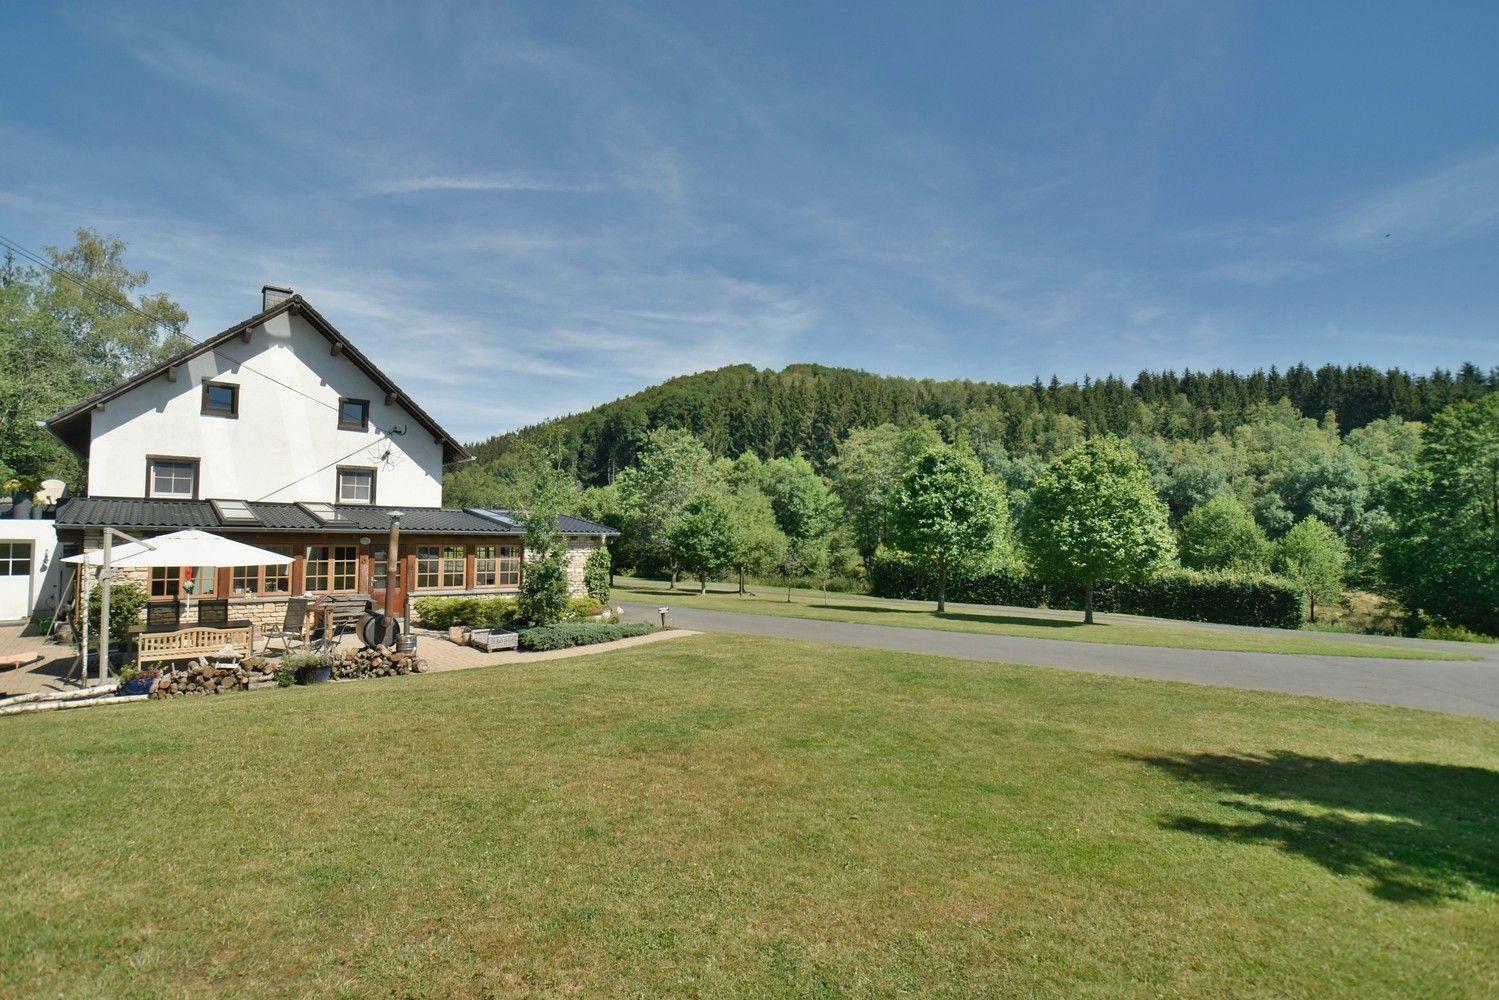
956,616
1418,832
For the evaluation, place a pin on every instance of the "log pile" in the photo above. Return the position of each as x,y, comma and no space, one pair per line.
379,661
203,677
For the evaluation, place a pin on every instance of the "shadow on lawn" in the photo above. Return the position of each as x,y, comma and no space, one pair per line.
1419,832
956,616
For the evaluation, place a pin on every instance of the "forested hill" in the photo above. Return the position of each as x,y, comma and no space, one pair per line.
810,408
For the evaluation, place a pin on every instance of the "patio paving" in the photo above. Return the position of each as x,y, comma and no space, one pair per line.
50,673
47,674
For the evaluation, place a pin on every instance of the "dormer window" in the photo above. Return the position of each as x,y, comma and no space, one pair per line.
172,478
353,414
220,399
356,486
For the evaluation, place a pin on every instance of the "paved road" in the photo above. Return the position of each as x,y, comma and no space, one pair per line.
1461,688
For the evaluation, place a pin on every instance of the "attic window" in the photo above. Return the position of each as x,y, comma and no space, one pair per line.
353,414
220,399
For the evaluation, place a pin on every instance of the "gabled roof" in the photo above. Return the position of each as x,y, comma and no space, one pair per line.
72,425
129,513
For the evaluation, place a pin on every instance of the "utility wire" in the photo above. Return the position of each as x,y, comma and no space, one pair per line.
120,299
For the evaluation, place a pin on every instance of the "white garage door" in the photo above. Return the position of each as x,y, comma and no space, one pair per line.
15,580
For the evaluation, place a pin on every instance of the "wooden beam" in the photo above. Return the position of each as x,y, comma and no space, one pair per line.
171,373
390,398
245,334
337,348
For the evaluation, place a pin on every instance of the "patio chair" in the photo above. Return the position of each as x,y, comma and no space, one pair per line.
214,614
291,630
163,616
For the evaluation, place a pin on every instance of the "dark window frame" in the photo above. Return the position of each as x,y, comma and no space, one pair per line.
196,463
353,425
232,413
338,484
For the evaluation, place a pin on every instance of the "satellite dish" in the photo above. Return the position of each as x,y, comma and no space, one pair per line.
51,491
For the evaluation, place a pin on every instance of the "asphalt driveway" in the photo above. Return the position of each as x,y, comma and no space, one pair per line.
1458,687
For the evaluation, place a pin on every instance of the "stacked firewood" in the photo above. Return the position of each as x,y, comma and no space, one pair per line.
204,677
379,661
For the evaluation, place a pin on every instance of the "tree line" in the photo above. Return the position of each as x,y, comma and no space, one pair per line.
810,410
1395,506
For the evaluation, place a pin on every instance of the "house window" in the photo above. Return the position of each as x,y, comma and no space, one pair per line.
15,558
166,581
380,568
249,580
508,565
220,399
356,485
496,566
485,567
332,568
204,581
428,567
172,478
353,414
453,559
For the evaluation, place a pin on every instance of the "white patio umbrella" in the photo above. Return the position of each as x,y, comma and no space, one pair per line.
180,548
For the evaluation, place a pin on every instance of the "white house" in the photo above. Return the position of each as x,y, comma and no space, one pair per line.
30,575
280,432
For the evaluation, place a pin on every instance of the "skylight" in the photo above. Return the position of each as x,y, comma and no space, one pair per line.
234,512
325,512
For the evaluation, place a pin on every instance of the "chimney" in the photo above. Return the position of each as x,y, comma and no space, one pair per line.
273,295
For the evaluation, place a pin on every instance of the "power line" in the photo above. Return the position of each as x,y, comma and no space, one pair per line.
120,299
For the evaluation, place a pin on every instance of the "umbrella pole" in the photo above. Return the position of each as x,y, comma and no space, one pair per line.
104,606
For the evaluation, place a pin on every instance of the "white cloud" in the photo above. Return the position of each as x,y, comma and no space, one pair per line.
479,182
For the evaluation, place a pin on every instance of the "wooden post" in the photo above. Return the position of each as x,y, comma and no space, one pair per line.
104,608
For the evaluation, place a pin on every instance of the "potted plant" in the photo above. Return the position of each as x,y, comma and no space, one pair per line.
133,681
308,667
22,492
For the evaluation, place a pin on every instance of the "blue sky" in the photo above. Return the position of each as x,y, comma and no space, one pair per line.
523,211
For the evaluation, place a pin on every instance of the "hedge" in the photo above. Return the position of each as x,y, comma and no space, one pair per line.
544,637
487,612
475,612
1185,595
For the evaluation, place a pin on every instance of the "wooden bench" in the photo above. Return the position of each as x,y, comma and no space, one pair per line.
192,643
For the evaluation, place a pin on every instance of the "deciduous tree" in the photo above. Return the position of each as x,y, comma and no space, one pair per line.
1094,516
948,513
1314,556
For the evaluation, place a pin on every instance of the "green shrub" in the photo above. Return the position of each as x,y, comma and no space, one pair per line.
585,607
1452,633
1185,595
127,599
596,574
567,634
472,612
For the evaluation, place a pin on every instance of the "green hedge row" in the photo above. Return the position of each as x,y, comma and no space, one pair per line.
1185,595
544,637
486,612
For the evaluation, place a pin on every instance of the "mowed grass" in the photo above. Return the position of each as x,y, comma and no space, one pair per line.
731,816
1116,629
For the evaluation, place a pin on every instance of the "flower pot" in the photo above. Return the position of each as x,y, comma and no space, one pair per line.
21,505
314,675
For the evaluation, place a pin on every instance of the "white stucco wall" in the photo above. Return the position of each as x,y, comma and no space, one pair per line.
21,595
285,445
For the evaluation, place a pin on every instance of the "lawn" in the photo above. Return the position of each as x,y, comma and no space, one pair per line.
730,816
1116,629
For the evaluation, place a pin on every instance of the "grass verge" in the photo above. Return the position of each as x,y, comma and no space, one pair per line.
746,817
1119,630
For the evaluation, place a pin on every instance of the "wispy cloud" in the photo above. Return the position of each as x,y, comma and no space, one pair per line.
1439,209
480,182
